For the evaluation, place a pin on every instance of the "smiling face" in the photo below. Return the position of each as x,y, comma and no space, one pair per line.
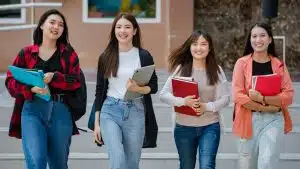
53,27
124,31
200,48
260,39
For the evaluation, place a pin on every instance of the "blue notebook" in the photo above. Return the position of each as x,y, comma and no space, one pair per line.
31,77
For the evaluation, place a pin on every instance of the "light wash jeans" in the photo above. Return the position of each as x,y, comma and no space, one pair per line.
122,126
262,151
46,134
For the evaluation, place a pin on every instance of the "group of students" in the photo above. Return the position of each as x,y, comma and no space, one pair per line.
46,127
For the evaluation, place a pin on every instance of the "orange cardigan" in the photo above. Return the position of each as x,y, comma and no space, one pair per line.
241,83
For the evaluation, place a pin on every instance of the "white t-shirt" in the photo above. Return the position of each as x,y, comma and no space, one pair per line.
128,62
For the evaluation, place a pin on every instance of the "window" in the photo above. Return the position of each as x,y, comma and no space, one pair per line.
12,15
104,11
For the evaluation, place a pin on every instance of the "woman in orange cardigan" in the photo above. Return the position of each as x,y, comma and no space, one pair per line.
260,121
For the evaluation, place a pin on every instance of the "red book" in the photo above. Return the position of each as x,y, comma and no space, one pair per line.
267,85
183,88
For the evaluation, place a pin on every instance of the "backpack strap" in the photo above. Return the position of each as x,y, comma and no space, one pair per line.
67,53
66,56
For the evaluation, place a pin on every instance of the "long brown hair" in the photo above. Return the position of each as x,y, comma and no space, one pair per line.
182,57
271,48
108,63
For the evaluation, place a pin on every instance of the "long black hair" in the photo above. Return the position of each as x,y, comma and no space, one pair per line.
38,33
271,47
182,56
109,60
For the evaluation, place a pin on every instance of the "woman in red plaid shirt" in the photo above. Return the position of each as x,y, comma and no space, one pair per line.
45,127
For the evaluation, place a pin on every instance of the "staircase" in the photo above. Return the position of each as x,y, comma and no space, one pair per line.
85,154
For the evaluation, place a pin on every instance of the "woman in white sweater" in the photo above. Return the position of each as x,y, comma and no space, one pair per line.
196,58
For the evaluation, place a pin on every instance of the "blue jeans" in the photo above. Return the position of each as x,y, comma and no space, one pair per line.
46,134
122,126
262,151
205,138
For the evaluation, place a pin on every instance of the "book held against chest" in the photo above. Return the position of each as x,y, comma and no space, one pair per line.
183,87
267,85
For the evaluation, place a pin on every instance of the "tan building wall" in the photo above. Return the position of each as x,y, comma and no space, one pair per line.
89,39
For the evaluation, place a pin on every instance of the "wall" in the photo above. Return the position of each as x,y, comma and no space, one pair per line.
228,21
89,39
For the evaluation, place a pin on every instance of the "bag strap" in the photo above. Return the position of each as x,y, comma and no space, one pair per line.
67,58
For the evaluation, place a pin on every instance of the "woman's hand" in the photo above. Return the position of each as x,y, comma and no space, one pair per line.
48,77
201,108
97,133
270,109
132,86
256,96
39,90
192,103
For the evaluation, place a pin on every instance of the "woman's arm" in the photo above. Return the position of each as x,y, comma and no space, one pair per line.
272,100
265,100
153,86
222,94
281,100
69,81
166,95
15,88
150,88
285,98
239,93
261,108
143,89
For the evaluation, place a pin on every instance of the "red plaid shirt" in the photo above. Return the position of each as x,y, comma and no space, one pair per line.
27,58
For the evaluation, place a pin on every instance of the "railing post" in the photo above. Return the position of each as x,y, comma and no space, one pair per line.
32,20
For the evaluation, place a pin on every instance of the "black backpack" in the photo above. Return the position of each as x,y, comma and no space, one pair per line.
77,100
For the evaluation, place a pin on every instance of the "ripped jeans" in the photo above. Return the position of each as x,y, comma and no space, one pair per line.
262,150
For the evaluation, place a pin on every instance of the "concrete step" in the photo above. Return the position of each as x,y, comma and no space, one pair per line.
165,143
148,161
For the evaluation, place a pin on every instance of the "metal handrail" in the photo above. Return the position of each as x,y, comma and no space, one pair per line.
29,5
17,27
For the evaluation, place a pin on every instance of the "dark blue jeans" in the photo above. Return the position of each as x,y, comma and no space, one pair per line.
46,134
205,138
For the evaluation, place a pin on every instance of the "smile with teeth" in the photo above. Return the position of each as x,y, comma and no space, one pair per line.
198,53
259,45
54,32
123,36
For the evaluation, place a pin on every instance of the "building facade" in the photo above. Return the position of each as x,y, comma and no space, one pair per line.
163,29
171,26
